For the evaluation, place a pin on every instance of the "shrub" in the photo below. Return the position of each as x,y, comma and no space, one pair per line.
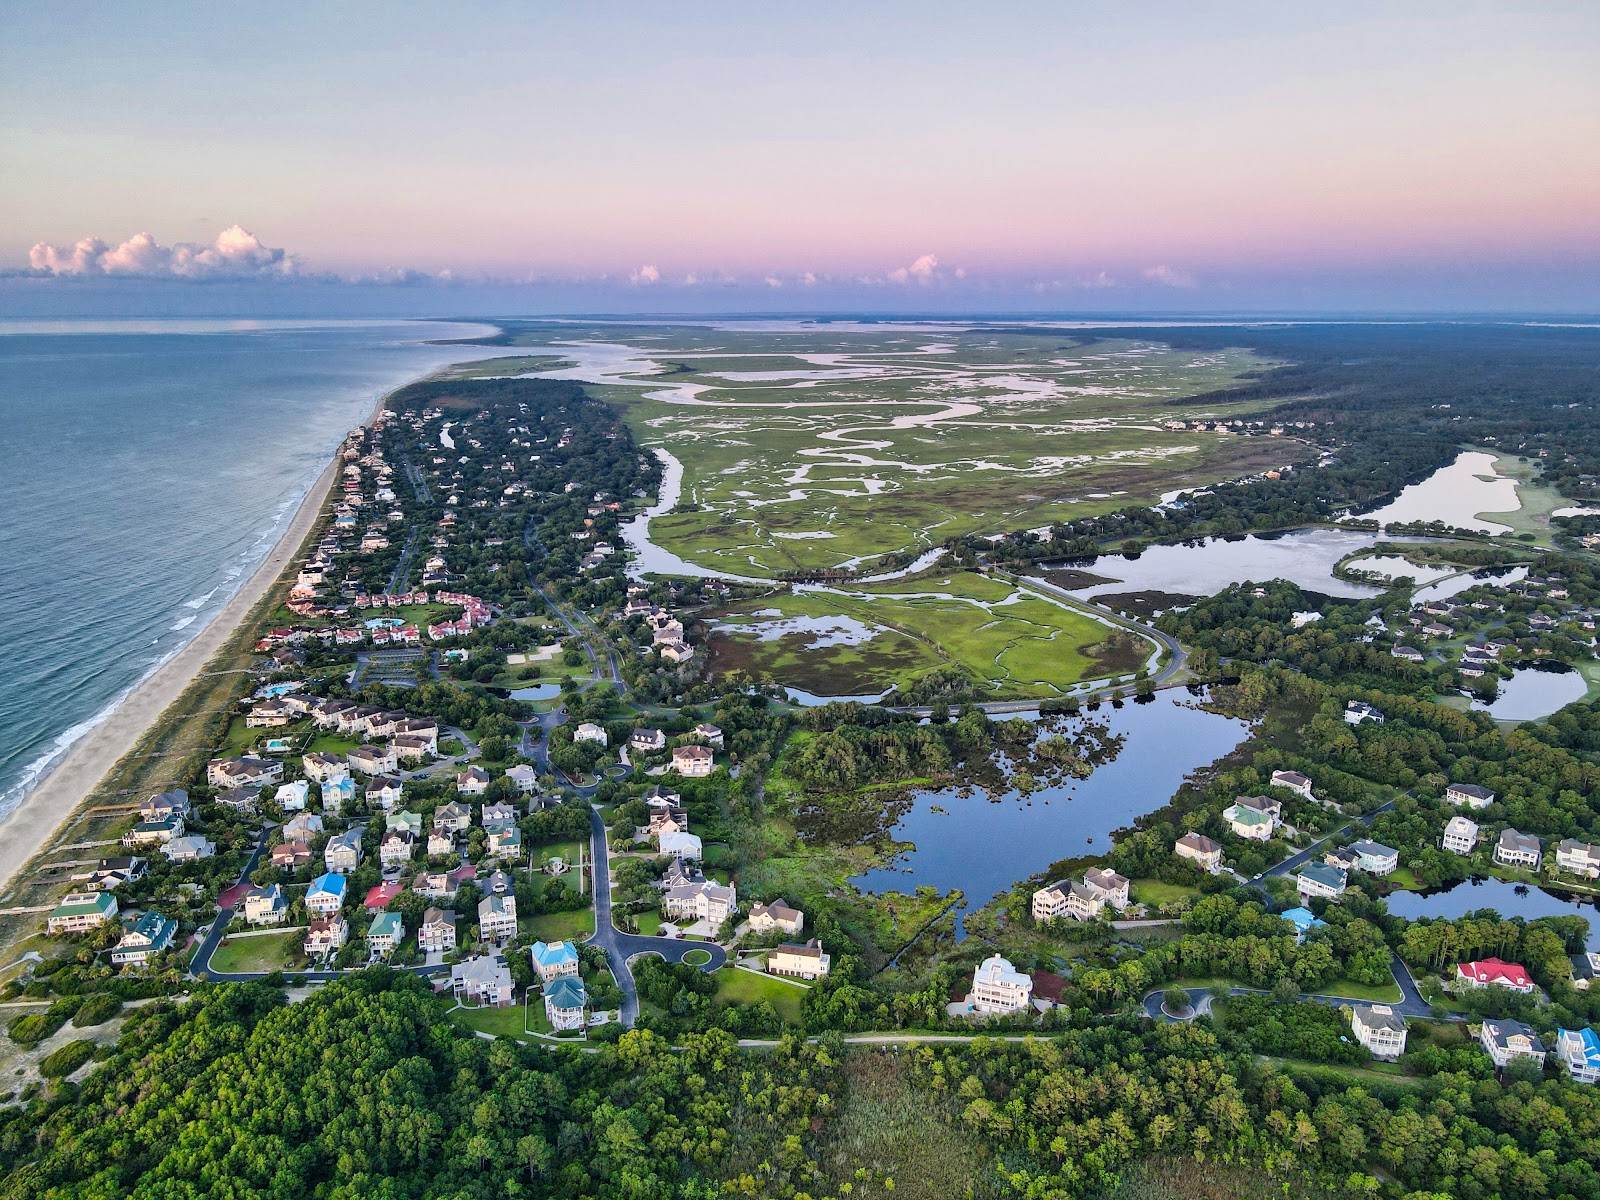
97,1009
30,1029
67,1059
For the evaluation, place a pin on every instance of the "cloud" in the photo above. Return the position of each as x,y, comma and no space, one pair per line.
645,276
772,281
1169,277
236,254
924,270
808,279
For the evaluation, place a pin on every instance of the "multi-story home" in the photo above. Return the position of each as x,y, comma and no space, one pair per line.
1380,1029
302,827
1066,898
1507,1040
474,781
497,918
81,911
289,856
1518,849
452,817
150,833
1319,879
437,933
372,760
189,848
243,772
524,777
1109,886
1201,849
1253,817
1294,781
709,734
147,937
1469,794
266,906
1579,858
1375,858
647,741
1356,712
326,935
564,1002
804,962
1460,835
167,804
588,731
709,902
505,842
384,935
1579,1052
342,854
553,960
777,915
1585,969
292,796
693,762
1303,920
998,987
1491,972
337,794
326,894
498,816
397,847
385,792
324,768
412,746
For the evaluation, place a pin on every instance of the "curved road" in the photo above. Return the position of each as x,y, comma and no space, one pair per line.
1411,1003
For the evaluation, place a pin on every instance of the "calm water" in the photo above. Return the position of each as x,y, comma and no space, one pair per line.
1456,495
1495,576
146,468
1532,693
1507,899
983,847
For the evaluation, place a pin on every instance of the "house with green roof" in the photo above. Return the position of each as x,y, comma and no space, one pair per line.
564,1002
384,935
81,911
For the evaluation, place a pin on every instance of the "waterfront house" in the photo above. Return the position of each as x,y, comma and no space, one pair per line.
524,777
1253,817
342,854
1579,1051
1469,794
385,791
1066,898
81,911
384,935
1198,848
1460,835
189,848
1579,858
326,894
167,804
437,933
588,731
1491,972
647,741
483,979
1319,879
325,936
553,960
564,1003
1111,888
1380,1029
998,987
1518,849
1585,969
804,962
712,903
113,872
148,936
497,918
1294,781
777,915
224,773
1507,1040
1375,858
474,781
693,762
266,906
149,833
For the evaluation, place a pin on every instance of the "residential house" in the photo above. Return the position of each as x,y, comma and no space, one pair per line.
302,827
474,781
243,772
292,797
384,935
441,842
498,816
1319,879
805,962
1585,969
1356,712
436,885
1380,1029
676,651
1579,858
412,747
326,894
1460,835
564,1002
324,768
709,902
524,777
777,915
709,734
337,794
150,833
1469,794
497,918
190,848
1507,1040
452,818
385,791
167,804
1579,1051
998,987
397,847
1409,653
590,732
1201,849
81,911
1253,817
326,935
404,821
1066,898
289,856
681,845
1303,920
664,819
437,933
148,936
1109,886
266,906
342,854
484,978
373,760
1344,858
1294,781
240,799
693,762
1518,849
553,960
1491,972
647,741
505,841
112,873
1376,858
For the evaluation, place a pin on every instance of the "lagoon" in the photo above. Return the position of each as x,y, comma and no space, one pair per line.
1534,692
1455,495
1507,899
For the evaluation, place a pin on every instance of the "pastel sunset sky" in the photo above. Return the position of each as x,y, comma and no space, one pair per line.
659,157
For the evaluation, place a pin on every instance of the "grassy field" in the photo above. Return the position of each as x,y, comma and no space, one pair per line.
562,926
503,1022
837,641
746,987
1154,893
816,448
265,952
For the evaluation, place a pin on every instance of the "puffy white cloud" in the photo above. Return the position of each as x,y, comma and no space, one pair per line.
772,281
645,275
1167,276
236,254
924,270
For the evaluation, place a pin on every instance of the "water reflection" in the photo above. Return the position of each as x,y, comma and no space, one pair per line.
1507,899
1455,495
1534,692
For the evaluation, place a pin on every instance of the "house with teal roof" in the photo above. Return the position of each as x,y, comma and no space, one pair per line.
147,937
564,1002
387,931
1579,1051
1303,920
554,960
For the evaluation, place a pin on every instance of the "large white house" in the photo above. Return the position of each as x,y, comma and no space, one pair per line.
1469,794
497,918
776,915
1375,858
1518,849
1460,835
1253,817
81,911
1201,849
1294,781
1380,1029
709,902
1507,1040
998,987
806,962
1579,858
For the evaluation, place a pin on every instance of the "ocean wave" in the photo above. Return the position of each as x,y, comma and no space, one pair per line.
183,624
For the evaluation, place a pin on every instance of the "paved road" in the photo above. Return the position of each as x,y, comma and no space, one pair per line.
1174,652
1411,1003
1304,856
619,946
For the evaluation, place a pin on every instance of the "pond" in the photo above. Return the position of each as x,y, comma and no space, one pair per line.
1202,568
811,700
538,691
1534,692
983,847
1444,589
1506,898
1455,495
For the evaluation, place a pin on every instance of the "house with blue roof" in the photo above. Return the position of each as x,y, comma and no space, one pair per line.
554,960
1303,920
1579,1049
564,1002
326,894
337,794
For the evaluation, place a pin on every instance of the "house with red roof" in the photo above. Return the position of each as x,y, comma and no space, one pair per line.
378,898
1491,972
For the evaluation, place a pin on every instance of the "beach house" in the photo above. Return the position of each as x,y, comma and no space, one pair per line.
999,988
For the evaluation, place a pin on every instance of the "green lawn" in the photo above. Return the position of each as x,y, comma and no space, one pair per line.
650,923
562,926
697,958
745,987
1388,993
266,952
1154,893
504,1022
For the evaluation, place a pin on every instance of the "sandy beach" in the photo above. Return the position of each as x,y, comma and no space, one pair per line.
34,823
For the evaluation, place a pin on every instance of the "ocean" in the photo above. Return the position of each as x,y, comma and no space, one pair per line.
146,468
